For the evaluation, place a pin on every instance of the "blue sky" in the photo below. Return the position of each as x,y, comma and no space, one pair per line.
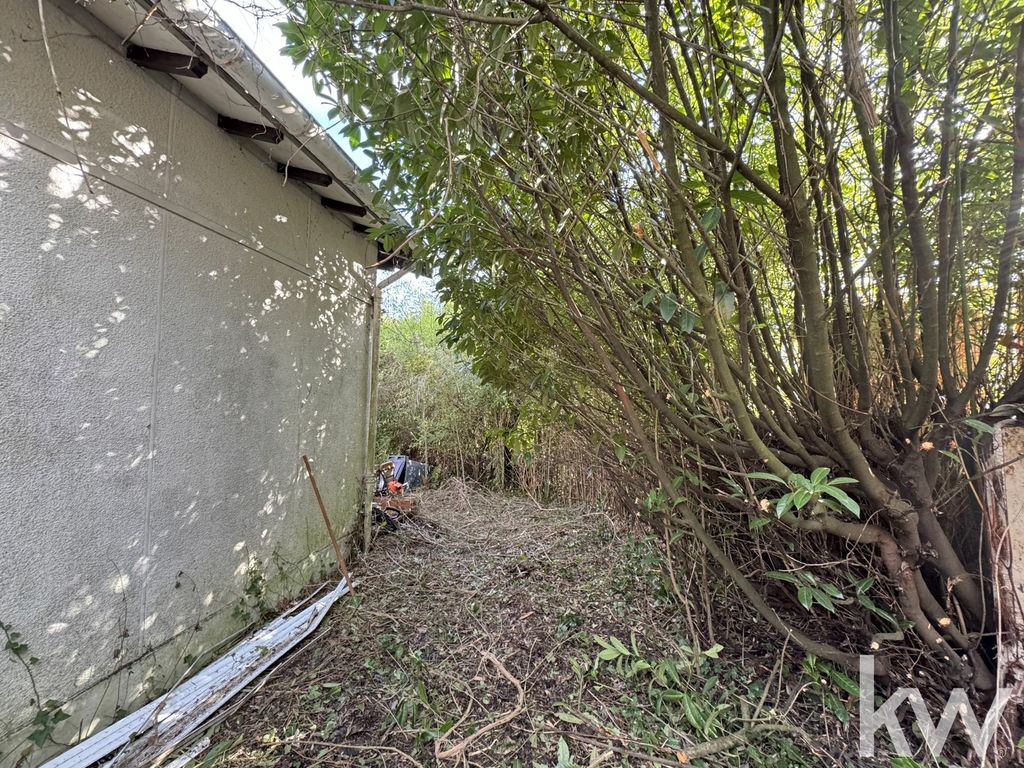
254,21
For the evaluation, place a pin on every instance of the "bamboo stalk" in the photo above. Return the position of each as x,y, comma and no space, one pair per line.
330,528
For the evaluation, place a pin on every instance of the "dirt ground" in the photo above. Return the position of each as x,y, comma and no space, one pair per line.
492,632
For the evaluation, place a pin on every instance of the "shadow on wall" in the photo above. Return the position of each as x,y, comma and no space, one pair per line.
161,381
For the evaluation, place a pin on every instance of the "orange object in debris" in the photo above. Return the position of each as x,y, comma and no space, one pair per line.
395,487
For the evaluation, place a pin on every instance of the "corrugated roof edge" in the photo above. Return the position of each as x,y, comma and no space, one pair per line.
236,63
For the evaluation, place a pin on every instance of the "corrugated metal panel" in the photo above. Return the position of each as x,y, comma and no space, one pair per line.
156,729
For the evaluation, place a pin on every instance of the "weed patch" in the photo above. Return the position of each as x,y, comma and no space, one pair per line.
490,632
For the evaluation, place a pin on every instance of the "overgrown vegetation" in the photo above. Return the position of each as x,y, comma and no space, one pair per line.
48,714
490,632
768,254
730,237
433,406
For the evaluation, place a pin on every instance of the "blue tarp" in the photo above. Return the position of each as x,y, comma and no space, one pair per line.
413,473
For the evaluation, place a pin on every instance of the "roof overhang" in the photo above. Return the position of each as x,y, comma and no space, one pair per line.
248,99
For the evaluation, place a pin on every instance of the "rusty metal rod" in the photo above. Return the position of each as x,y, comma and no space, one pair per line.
330,528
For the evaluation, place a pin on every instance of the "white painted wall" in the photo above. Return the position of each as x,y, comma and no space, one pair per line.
159,381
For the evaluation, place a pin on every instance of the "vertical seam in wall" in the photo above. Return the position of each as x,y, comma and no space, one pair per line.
297,475
151,453
303,360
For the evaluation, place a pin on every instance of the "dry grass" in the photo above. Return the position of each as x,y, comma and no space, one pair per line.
472,642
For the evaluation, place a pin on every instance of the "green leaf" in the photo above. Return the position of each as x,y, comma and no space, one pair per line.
687,320
844,681
565,717
837,708
751,196
841,496
818,476
667,306
783,505
617,645
806,597
801,497
758,523
867,602
649,297
765,476
832,590
693,713
639,666
799,481
564,757
980,426
714,650
824,600
792,578
725,301
39,736
710,220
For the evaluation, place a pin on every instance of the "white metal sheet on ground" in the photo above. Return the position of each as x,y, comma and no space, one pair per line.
155,729
185,758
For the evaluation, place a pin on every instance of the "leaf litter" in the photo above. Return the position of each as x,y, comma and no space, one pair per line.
491,631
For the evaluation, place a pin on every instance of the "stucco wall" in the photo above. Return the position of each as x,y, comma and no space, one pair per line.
159,381
1004,489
